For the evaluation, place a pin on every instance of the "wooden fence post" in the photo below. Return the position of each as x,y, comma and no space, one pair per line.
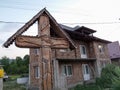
1,83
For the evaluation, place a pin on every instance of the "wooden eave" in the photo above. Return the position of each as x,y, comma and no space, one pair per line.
76,60
79,36
85,30
53,22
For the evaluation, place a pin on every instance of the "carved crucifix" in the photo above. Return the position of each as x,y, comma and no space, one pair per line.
45,42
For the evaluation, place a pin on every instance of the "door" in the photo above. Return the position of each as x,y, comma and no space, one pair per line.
86,72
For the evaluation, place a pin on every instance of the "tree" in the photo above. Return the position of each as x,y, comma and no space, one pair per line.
17,66
13,68
5,62
19,61
26,63
110,77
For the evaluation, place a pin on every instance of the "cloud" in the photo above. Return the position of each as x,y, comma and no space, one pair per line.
1,41
6,30
9,27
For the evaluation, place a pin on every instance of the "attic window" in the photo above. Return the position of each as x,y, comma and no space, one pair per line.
64,50
91,34
101,48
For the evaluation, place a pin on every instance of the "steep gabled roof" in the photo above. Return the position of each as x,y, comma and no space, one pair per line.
53,22
84,29
80,29
83,37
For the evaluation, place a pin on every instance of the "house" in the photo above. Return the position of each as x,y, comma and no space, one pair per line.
114,52
61,56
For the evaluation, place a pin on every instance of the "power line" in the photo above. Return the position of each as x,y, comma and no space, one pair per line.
18,8
66,23
34,9
20,3
12,22
95,23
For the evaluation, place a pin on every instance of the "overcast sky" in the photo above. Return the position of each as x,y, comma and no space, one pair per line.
100,15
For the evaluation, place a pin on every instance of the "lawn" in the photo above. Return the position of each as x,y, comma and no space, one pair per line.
14,77
11,84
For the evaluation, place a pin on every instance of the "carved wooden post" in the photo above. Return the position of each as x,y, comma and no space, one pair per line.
44,30
45,43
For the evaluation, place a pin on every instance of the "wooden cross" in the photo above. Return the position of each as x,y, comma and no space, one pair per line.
45,42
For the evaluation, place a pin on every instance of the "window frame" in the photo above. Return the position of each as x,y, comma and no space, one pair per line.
64,50
36,72
66,69
83,53
101,49
36,51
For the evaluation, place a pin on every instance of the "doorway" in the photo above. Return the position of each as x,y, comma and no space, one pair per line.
86,72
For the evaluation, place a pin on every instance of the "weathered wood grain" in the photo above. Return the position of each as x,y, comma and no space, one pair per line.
45,43
35,42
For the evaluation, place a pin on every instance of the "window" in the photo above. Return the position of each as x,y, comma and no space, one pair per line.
103,64
83,51
36,51
67,70
101,48
64,50
36,72
87,69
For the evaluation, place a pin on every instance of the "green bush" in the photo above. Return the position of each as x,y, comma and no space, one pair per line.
86,87
110,77
109,80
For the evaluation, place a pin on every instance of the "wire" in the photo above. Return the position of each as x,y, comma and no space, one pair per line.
95,23
18,8
12,22
66,23
43,5
20,3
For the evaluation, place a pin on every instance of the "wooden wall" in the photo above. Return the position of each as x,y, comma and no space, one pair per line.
92,52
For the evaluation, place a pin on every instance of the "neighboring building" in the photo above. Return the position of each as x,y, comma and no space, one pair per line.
114,52
82,61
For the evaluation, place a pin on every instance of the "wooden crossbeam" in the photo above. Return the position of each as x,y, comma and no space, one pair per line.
44,42
36,42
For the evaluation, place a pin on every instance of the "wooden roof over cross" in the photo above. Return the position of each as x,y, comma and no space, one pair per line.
53,23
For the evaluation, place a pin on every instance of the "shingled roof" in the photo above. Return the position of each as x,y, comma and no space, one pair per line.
58,30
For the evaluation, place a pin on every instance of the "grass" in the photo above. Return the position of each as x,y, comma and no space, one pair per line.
14,77
11,84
